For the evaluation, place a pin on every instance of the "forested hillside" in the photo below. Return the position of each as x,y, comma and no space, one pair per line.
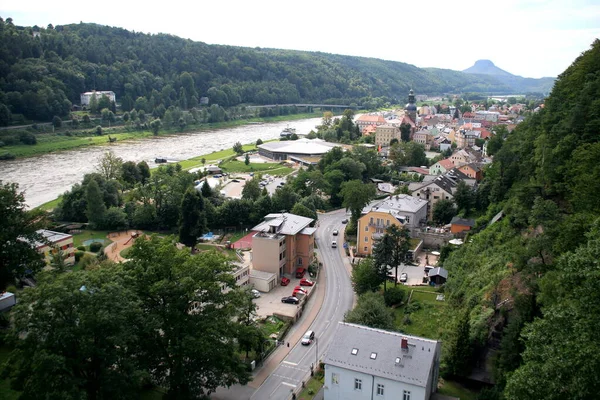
526,288
44,70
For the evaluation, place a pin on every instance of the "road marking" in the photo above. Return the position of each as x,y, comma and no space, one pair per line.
288,384
290,363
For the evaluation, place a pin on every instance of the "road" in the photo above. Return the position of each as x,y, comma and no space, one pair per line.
339,297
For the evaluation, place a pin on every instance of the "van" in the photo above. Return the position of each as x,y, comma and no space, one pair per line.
308,338
334,244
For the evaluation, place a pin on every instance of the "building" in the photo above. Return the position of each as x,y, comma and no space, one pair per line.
385,133
367,363
304,151
473,170
438,276
366,120
87,96
441,167
424,138
54,242
458,225
282,243
402,210
411,108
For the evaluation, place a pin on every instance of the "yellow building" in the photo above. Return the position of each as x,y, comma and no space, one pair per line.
371,228
54,242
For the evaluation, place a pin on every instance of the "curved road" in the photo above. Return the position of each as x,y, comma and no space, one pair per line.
339,297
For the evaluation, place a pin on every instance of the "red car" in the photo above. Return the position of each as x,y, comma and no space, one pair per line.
300,272
285,281
306,282
298,293
300,289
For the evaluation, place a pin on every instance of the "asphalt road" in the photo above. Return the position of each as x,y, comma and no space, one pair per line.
339,297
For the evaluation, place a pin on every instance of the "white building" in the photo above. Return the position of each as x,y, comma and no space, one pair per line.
372,364
87,96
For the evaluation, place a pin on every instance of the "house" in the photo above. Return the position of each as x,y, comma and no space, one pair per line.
87,96
424,138
366,120
441,167
304,151
213,169
463,156
54,242
369,130
385,133
472,170
282,243
458,225
438,276
402,210
367,363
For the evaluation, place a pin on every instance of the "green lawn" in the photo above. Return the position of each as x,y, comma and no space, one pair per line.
79,238
455,389
313,386
429,320
240,166
6,393
271,325
230,253
50,205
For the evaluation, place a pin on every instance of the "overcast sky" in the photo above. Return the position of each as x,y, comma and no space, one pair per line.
531,38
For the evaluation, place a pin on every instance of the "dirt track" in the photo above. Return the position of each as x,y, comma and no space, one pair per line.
120,241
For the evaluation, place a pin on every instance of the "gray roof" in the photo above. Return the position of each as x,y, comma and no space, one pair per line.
391,362
401,203
300,146
439,271
284,223
51,237
463,221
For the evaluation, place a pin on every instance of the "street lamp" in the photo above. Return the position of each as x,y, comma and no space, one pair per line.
316,352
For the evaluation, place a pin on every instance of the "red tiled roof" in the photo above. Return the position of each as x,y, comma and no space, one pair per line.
447,163
371,118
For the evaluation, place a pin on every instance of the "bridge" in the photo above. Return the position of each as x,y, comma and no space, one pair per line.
344,106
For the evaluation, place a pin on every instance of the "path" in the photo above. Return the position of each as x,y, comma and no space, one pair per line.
120,241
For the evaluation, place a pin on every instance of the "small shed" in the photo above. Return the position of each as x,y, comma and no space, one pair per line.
458,225
213,169
262,281
438,276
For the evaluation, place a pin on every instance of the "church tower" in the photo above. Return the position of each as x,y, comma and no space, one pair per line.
411,108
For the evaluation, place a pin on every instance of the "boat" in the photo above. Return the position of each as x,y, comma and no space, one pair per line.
287,131
160,160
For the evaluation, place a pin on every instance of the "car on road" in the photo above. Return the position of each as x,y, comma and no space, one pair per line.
300,272
255,293
308,338
345,221
335,232
285,281
403,277
334,244
290,300
306,282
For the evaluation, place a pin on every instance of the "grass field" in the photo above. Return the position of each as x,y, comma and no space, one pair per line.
455,389
79,238
50,205
240,166
428,318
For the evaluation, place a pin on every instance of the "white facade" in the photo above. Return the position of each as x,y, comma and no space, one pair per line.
87,96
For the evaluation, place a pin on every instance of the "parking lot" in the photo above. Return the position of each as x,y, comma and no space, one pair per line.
270,303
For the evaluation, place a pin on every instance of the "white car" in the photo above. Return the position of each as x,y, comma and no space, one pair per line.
255,293
404,277
335,232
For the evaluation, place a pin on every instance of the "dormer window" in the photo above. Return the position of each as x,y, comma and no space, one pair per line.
373,356
354,351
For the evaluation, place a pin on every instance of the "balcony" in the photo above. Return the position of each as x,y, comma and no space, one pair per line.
378,225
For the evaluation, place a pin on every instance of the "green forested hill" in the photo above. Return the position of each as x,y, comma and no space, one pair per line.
42,75
528,286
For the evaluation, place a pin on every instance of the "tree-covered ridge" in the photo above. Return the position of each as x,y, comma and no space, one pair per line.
529,282
42,73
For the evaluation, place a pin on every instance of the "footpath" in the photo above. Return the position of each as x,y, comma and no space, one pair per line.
260,374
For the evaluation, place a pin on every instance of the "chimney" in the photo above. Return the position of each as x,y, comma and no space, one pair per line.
404,344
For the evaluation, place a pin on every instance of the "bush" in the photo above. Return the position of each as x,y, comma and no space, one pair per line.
393,296
78,255
88,260
11,289
412,307
81,248
95,246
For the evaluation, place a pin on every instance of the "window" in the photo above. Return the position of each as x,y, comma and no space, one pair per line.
366,249
373,356
354,351
405,395
335,379
358,384
366,238
380,389
408,220
299,260
366,229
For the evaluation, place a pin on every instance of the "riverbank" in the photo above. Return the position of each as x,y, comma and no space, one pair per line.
59,141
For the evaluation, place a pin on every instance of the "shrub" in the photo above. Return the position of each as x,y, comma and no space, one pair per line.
11,289
393,296
81,248
88,260
412,307
95,246
78,255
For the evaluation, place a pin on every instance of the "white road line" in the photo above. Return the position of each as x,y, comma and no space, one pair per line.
288,384
290,363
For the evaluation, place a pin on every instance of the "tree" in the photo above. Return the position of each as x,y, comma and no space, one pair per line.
115,219
110,166
17,235
365,277
405,130
82,334
251,190
247,159
238,148
94,108
144,171
371,311
191,330
155,126
400,238
206,190
5,115
303,211
464,197
356,196
95,205
130,173
443,211
192,223
259,142
56,121
459,353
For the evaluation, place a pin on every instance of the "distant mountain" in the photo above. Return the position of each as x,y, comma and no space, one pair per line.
486,67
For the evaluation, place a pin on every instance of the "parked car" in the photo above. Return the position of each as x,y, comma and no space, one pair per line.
298,293
306,282
308,338
255,293
345,221
404,277
335,232
300,272
300,289
285,281
290,300
334,244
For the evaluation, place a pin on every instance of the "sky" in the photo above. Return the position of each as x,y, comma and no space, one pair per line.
530,38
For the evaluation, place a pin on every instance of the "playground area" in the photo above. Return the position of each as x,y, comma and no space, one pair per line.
244,243
120,241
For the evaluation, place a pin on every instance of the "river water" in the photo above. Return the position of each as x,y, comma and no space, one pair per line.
44,178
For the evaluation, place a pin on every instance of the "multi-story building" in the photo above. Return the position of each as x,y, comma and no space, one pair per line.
282,243
366,120
53,243
402,210
87,96
367,363
385,133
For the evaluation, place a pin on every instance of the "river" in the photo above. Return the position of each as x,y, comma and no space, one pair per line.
44,178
